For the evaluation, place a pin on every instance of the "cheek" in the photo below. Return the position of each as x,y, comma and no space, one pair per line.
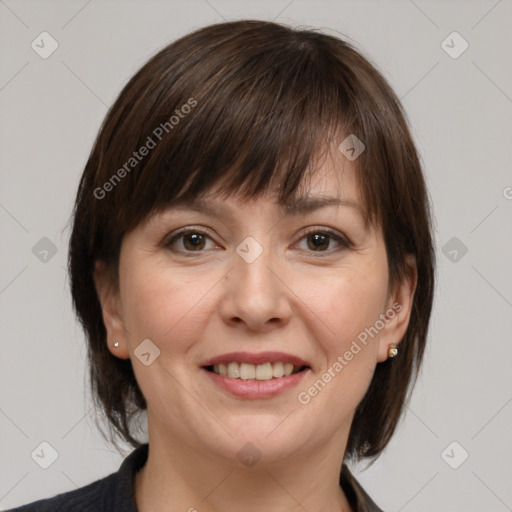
346,307
163,305
169,308
344,303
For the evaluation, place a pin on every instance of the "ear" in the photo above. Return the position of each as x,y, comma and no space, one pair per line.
108,296
398,310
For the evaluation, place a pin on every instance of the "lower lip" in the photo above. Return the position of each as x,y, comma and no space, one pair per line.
254,389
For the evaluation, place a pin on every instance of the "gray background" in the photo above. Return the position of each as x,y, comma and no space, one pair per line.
461,115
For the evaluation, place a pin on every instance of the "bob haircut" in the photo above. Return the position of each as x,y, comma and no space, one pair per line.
249,106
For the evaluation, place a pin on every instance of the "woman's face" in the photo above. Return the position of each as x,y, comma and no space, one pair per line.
250,283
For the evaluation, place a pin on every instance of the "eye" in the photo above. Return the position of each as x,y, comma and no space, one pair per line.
195,240
190,240
318,240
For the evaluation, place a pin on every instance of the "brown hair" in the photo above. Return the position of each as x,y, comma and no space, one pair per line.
263,100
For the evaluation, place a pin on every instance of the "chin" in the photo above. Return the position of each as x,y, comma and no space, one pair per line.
260,439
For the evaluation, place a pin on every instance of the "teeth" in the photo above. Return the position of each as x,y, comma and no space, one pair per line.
234,370
288,368
277,370
246,371
264,371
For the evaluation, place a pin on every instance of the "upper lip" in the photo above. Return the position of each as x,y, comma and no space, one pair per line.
255,358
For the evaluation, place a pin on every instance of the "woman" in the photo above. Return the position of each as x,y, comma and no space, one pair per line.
251,249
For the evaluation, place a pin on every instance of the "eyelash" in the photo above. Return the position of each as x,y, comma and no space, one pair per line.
344,243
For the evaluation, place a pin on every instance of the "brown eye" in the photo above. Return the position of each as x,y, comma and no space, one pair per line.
318,241
193,241
189,241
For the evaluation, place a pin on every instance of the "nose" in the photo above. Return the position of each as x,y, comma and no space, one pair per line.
256,293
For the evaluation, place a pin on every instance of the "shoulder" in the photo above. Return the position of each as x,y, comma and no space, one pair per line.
113,492
358,498
85,499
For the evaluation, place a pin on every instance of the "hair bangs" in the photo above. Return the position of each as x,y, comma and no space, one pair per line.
258,128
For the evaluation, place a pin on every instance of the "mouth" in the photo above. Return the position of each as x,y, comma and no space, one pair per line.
262,372
255,376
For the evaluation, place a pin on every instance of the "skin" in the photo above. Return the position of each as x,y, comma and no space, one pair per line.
292,299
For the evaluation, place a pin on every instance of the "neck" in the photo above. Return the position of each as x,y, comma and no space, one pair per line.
179,477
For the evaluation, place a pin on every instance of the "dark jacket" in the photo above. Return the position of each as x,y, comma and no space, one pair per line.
115,493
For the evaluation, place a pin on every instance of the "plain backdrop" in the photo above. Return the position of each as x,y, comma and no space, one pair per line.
453,450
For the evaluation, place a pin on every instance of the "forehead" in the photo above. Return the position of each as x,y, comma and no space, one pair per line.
331,185
333,182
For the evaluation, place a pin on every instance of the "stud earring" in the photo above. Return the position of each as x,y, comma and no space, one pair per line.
116,344
393,350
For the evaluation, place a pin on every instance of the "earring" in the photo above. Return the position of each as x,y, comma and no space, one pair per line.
116,344
393,350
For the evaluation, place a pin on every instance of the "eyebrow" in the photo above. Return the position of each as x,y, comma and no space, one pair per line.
310,204
294,206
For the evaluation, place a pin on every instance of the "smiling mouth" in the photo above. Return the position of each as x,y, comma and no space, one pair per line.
247,371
